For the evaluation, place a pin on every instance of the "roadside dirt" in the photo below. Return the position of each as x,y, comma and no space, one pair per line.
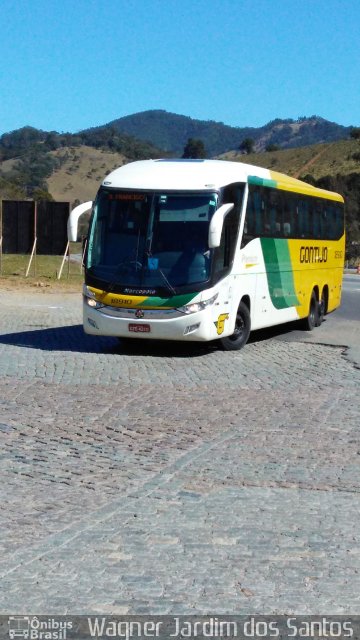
39,284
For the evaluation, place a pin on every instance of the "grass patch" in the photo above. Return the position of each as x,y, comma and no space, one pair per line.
317,160
43,272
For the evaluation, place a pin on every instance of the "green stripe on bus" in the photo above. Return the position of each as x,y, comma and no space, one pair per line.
279,273
262,182
174,302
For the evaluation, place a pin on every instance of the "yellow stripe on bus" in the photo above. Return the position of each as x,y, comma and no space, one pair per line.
286,183
117,300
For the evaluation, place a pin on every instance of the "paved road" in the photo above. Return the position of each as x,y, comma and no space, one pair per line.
340,328
173,479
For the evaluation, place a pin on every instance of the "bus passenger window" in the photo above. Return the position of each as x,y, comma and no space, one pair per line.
303,223
330,221
311,233
287,220
317,218
274,212
287,229
258,211
339,222
324,221
296,220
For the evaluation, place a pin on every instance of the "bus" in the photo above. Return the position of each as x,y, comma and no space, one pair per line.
201,250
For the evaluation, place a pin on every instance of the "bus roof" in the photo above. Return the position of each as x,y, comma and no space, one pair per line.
200,175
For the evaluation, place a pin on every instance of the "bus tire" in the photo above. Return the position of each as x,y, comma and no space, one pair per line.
242,330
312,320
321,309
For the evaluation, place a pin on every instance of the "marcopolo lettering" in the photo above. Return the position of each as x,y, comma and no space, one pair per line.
313,254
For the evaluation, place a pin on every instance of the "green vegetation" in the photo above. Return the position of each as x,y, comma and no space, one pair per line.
247,145
355,133
33,163
194,148
41,194
272,147
10,191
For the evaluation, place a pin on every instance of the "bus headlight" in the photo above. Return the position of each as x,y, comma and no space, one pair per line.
90,299
193,307
93,303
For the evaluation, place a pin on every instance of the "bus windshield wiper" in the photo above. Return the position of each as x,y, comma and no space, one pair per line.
135,266
169,286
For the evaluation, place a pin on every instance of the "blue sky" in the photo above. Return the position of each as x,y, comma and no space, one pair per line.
71,64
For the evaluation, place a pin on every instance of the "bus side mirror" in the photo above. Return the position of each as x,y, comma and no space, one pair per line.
216,224
72,225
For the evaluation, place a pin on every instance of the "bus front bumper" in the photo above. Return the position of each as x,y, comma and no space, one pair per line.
157,325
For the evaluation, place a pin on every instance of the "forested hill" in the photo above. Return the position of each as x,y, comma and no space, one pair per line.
29,157
170,131
70,167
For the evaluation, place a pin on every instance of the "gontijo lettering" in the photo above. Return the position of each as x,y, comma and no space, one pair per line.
313,254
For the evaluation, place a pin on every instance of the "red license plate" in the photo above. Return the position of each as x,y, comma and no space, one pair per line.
139,328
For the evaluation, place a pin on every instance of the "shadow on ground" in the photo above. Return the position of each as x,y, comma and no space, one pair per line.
73,338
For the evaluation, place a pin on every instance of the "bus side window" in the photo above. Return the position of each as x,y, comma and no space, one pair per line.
296,219
318,210
287,219
230,234
294,215
249,224
258,212
303,215
225,253
272,213
330,221
311,218
324,221
339,224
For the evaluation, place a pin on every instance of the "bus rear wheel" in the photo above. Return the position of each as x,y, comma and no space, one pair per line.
242,330
322,308
312,320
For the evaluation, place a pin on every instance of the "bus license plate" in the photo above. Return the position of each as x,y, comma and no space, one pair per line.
139,328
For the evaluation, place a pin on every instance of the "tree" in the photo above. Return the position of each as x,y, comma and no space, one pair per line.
41,194
51,141
247,145
355,133
194,148
272,147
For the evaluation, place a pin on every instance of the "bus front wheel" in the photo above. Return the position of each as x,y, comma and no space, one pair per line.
242,330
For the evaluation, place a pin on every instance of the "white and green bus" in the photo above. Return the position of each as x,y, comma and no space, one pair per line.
200,250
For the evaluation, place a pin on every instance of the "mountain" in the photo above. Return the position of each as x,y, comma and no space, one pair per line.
170,131
29,157
150,134
70,167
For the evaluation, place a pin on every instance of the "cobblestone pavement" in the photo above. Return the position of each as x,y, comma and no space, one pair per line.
162,478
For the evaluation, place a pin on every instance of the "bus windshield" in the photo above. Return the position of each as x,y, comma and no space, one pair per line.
150,239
